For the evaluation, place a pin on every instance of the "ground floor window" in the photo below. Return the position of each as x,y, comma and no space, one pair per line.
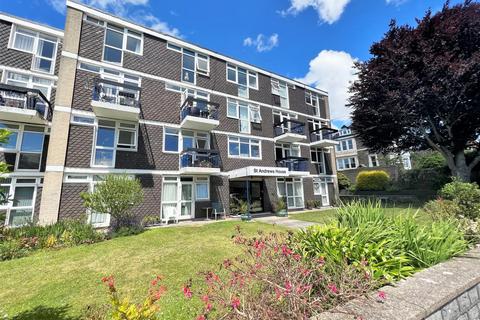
179,195
21,193
320,188
292,190
248,191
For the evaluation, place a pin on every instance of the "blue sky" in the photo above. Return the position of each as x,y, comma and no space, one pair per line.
315,41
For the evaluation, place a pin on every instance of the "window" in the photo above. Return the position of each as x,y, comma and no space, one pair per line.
43,48
320,188
21,194
318,157
193,63
244,112
82,120
202,188
112,136
312,99
95,21
280,88
279,117
313,129
29,81
345,145
197,140
26,144
118,40
243,77
286,150
292,190
170,140
346,163
243,148
345,131
372,160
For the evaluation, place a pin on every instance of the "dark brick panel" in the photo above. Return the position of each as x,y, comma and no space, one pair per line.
152,193
71,205
220,191
38,200
158,104
79,149
308,189
91,41
82,93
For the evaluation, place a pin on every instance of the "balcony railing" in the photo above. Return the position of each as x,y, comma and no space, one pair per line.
323,134
26,99
199,158
289,126
199,108
294,163
116,93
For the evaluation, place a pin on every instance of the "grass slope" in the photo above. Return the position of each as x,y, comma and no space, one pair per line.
58,284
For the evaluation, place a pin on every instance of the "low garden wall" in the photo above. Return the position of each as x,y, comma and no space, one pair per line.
447,291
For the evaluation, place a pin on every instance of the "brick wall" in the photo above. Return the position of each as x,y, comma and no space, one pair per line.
71,205
79,151
11,57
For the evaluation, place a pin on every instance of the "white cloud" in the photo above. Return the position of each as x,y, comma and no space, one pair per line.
396,2
58,5
262,43
328,11
333,71
126,9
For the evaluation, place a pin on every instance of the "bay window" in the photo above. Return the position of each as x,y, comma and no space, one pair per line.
243,148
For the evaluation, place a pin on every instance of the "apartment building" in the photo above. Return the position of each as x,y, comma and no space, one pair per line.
196,127
352,156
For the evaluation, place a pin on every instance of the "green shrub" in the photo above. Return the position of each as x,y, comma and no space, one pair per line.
375,180
126,231
428,160
465,195
310,204
12,250
392,247
117,195
441,209
343,182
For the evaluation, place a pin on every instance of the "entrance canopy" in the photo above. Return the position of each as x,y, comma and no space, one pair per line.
254,171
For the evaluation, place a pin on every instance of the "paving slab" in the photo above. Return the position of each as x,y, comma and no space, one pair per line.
285,222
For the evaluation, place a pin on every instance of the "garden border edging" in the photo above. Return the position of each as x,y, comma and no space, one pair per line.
447,291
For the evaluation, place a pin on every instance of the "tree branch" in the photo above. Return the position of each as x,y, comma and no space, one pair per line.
475,161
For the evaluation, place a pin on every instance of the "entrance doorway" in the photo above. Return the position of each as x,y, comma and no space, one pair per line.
249,191
186,202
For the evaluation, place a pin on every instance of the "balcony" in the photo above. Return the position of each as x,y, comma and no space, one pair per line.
115,100
297,166
323,137
289,131
199,114
199,161
24,105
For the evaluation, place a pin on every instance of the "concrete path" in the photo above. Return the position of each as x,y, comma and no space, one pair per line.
285,222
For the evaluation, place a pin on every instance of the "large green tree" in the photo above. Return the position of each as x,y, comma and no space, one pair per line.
421,88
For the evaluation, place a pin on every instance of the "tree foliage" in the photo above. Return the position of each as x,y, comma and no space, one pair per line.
420,90
117,196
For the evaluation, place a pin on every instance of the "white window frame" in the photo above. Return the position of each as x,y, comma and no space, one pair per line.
318,191
17,150
178,134
249,74
276,84
197,57
75,119
288,147
125,35
93,20
117,128
202,180
13,184
370,162
317,151
251,142
342,148
30,84
294,182
341,163
36,35
313,97
197,135
251,110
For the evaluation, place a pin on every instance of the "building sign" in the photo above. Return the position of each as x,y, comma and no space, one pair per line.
254,171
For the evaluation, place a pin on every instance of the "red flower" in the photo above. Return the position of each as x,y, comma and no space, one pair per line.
110,281
288,287
205,299
333,288
208,307
286,251
382,296
278,293
297,257
227,263
201,317
235,303
187,292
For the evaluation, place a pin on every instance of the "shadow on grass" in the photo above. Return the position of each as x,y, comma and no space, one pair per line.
46,313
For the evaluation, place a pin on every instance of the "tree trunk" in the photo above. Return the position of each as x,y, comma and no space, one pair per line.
461,170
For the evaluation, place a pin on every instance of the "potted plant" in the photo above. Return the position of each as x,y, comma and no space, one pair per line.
243,209
280,208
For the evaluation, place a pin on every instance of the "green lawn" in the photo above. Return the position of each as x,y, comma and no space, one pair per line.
58,284
327,216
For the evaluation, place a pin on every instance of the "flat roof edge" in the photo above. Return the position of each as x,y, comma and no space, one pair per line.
31,24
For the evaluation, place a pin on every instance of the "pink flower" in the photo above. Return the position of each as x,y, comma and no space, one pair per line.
227,263
286,251
288,287
208,307
297,257
321,261
382,296
278,293
187,292
235,303
201,317
333,288
205,299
